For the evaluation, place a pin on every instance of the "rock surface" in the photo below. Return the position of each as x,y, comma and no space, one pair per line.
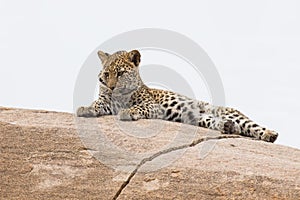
52,155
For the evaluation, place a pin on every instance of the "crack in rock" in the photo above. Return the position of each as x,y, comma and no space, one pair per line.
165,151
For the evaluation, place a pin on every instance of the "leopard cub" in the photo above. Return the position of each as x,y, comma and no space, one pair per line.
123,93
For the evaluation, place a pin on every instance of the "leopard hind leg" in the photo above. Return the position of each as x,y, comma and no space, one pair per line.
247,127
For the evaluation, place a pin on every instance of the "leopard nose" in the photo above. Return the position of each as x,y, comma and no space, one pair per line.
112,87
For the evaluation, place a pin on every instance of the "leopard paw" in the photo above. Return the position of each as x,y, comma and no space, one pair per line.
269,136
86,112
127,115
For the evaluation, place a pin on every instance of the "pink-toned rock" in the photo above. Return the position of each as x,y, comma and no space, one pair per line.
53,155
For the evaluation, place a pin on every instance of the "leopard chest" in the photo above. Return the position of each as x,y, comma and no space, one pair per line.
119,102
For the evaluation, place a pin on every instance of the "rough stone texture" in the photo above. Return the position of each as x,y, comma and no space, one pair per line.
52,155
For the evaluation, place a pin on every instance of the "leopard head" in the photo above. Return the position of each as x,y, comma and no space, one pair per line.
120,71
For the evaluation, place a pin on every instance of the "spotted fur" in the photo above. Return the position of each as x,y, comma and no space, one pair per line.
123,93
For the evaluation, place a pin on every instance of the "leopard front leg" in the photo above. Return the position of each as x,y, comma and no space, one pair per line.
143,111
102,106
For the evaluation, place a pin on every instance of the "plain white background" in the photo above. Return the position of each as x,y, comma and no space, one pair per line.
255,46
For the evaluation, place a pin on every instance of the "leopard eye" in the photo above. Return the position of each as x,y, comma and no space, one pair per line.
106,74
120,73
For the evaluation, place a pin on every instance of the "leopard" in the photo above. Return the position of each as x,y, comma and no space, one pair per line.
123,93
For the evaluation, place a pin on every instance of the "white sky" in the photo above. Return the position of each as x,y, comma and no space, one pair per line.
255,46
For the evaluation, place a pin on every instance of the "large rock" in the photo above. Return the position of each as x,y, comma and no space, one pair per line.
52,155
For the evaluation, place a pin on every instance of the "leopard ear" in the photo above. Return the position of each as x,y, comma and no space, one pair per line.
103,56
135,57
